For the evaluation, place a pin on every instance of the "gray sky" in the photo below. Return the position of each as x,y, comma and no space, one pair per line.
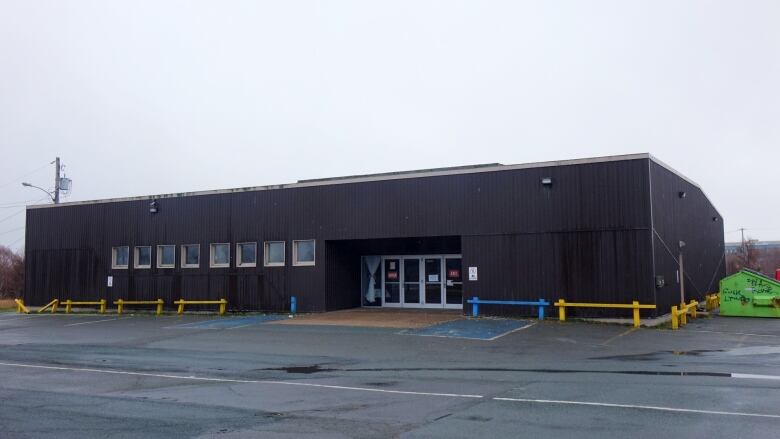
145,97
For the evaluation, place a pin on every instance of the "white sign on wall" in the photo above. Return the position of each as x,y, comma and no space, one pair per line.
110,281
472,273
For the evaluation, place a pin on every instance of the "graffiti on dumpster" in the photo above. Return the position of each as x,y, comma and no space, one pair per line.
734,295
759,286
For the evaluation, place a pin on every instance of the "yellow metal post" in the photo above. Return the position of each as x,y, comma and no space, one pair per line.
181,307
561,304
51,305
159,306
683,314
102,306
675,322
20,308
693,308
119,306
222,306
68,305
636,313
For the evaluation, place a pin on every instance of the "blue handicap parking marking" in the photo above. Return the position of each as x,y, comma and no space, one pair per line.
230,322
476,329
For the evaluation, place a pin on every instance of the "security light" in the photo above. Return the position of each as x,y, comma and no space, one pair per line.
547,181
153,207
683,194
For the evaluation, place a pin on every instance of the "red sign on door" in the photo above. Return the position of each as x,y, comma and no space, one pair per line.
392,275
453,273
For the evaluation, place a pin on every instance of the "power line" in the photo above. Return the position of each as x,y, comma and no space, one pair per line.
12,230
16,242
25,175
11,215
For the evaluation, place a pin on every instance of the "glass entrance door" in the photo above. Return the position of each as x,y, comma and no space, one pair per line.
391,282
422,281
411,276
454,284
433,281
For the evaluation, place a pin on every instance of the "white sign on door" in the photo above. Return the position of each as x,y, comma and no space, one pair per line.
472,273
110,281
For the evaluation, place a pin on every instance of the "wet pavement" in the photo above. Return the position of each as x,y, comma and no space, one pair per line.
140,375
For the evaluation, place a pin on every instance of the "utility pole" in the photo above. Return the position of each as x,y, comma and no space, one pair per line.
57,181
743,239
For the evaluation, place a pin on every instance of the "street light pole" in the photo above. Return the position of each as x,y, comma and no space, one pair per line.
57,181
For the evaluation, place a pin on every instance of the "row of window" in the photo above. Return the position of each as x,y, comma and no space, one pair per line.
219,255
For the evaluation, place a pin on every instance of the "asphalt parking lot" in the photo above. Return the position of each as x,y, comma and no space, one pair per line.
69,376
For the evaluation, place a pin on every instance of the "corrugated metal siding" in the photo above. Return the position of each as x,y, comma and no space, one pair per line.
508,220
688,219
604,266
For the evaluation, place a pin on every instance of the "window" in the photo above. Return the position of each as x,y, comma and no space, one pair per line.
274,254
120,256
220,255
190,256
142,257
303,252
166,256
246,254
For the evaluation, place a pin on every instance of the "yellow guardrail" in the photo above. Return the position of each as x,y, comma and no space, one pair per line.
680,315
51,305
712,301
120,304
20,308
221,302
635,305
101,303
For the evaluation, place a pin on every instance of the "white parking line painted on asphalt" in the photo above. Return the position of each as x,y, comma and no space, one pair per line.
406,392
754,376
229,380
97,321
637,407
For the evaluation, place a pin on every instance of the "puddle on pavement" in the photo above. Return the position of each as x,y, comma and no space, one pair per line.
317,368
650,356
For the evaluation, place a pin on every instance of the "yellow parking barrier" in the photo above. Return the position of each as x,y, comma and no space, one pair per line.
680,314
221,302
120,304
51,305
562,305
712,301
102,303
20,308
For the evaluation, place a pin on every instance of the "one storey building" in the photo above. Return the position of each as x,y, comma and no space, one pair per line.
607,229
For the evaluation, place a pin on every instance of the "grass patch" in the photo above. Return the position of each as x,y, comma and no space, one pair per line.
7,305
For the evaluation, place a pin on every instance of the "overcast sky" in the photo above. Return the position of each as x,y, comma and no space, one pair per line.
146,97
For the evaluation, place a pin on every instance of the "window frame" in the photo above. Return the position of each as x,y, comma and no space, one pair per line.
114,265
212,264
184,263
239,260
159,256
296,262
138,266
266,245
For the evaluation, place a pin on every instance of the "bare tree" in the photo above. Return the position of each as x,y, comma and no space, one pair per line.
747,256
11,272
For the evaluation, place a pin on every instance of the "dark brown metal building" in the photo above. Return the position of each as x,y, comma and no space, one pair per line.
601,230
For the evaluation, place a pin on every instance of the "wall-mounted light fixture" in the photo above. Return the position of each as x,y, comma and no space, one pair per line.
715,218
153,207
547,181
683,194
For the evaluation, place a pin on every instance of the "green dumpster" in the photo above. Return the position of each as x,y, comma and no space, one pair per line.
749,294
